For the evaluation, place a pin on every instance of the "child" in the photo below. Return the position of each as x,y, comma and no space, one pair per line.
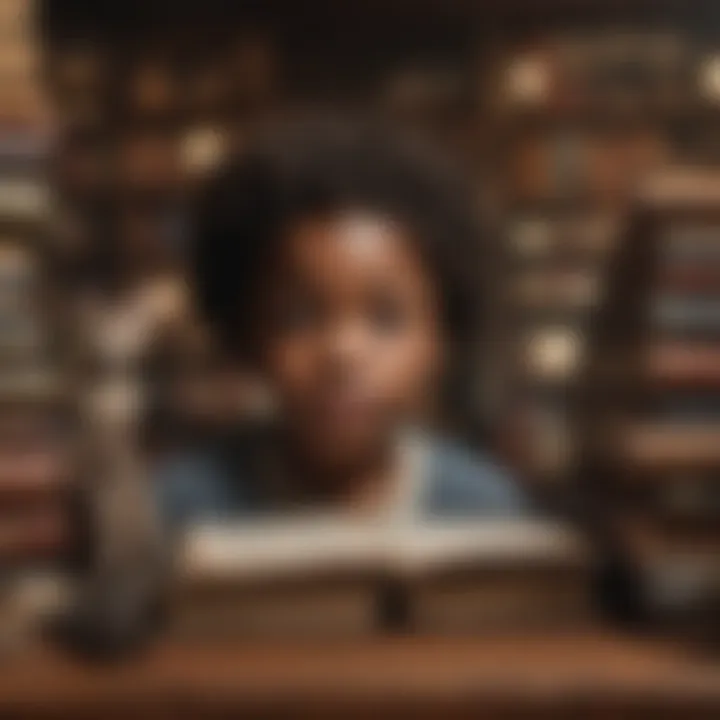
336,263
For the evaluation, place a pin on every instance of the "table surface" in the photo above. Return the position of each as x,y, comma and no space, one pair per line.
551,672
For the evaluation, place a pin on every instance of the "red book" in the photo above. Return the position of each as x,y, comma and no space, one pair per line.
42,532
684,364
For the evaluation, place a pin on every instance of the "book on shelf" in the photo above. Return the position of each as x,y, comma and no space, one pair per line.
701,278
152,88
532,237
676,364
690,244
586,237
27,600
610,72
549,439
148,159
19,277
76,72
22,339
82,161
561,289
686,315
35,533
682,498
583,165
24,146
681,188
33,385
678,572
32,474
694,496
699,405
208,85
23,199
592,234
668,445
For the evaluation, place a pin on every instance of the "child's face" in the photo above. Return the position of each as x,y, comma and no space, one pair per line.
350,333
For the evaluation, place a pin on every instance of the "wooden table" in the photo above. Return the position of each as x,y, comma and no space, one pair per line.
588,676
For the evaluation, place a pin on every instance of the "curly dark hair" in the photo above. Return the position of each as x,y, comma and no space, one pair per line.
315,167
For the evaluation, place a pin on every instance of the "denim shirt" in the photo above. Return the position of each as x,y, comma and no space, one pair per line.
219,483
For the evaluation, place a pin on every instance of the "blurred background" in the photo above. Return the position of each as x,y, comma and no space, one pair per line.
590,131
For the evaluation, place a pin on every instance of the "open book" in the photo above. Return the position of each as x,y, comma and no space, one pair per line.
315,575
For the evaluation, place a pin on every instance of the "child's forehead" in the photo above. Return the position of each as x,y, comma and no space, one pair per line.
350,250
359,231
354,237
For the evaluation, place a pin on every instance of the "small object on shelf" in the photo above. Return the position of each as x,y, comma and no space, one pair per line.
553,353
528,80
25,602
708,78
152,88
201,150
532,237
148,160
23,199
19,270
76,69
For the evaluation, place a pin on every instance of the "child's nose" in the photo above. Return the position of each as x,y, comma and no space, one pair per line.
347,342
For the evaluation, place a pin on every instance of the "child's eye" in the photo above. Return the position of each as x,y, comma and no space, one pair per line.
297,316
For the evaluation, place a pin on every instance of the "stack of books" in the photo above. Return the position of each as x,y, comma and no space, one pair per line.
36,445
584,116
555,281
624,68
658,429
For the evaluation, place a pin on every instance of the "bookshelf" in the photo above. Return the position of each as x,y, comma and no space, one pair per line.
38,455
559,113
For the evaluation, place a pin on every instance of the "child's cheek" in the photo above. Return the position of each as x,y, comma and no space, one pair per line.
288,366
407,372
